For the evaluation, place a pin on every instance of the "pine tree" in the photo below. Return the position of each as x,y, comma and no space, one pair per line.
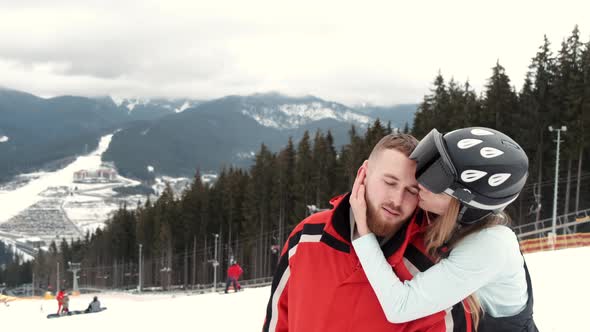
423,118
285,189
440,105
304,170
373,135
431,112
500,103
543,74
456,108
258,214
319,180
471,107
332,168
568,92
583,118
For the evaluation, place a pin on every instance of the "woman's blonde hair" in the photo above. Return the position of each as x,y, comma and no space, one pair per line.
443,234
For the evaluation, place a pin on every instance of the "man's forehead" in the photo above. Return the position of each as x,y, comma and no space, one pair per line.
407,178
395,164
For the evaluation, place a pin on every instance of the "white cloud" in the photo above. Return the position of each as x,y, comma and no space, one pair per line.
377,51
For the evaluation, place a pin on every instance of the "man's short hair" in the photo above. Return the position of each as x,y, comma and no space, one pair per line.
403,143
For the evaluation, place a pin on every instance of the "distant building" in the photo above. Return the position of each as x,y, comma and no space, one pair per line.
34,242
94,176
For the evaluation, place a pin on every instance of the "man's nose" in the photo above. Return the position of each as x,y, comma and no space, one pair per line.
396,196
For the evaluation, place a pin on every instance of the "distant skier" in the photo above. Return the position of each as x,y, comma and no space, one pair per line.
60,300
233,274
94,306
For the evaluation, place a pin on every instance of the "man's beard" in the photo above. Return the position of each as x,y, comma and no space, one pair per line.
379,226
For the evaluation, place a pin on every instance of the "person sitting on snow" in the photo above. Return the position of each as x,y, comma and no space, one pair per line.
94,306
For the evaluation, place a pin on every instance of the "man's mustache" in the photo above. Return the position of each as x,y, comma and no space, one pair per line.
393,208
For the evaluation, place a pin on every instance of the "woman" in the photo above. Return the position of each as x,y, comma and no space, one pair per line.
466,177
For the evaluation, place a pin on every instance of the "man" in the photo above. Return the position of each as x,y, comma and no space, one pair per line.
319,284
233,274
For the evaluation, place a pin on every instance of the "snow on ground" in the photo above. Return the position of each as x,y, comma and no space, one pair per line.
19,181
243,311
561,288
14,202
90,214
177,184
91,205
559,280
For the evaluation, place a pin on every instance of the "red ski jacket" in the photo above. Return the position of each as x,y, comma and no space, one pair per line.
234,271
319,283
60,297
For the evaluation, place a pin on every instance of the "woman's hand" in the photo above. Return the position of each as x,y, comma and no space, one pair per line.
357,201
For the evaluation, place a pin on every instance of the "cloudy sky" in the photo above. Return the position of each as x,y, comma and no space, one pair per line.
352,52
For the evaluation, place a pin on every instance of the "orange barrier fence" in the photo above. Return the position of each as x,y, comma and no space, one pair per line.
554,243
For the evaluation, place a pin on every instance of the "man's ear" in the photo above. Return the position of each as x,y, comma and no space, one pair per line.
363,165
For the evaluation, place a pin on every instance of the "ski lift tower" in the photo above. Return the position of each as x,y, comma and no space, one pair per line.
74,268
215,264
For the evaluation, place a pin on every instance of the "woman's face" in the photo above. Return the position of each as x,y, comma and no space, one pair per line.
431,202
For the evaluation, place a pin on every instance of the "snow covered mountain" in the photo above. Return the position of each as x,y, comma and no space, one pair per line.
176,136
45,133
149,109
227,131
280,112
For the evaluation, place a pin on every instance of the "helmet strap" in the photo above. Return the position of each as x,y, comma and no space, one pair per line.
462,219
461,213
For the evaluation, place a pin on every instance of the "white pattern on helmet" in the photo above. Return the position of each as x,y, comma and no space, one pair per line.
467,143
471,175
488,152
481,132
497,179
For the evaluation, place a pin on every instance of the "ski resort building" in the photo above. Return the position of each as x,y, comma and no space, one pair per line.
95,176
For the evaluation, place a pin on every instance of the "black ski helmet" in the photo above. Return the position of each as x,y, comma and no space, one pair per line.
481,167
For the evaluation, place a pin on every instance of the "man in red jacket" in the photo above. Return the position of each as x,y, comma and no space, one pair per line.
319,283
233,274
